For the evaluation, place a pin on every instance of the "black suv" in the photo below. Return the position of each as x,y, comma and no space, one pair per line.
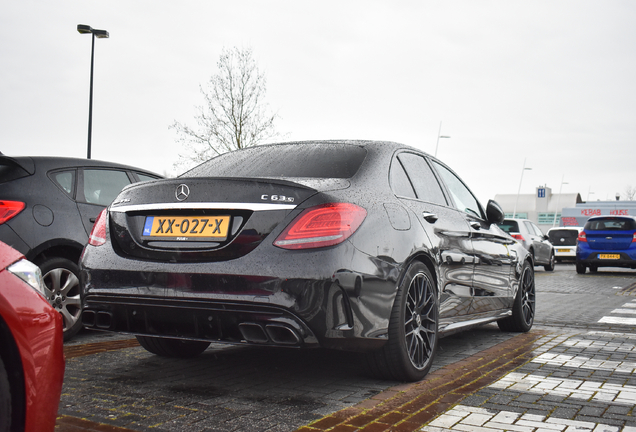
47,209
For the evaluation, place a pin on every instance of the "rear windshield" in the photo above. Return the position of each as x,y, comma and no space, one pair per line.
509,226
610,224
555,236
285,160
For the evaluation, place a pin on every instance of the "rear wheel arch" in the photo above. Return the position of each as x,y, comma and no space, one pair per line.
69,250
425,259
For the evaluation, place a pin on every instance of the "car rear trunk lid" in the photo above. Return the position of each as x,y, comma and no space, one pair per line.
200,219
609,240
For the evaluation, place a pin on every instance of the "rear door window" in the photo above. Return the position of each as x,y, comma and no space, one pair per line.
533,229
65,180
509,226
400,183
145,177
101,186
424,182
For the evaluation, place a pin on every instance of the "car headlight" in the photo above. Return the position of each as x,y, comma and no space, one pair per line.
29,273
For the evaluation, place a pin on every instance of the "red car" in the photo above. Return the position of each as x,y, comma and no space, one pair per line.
31,348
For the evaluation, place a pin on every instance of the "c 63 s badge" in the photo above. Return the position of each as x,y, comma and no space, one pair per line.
277,198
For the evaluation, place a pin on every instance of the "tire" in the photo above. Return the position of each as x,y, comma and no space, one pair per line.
580,268
5,399
551,263
61,277
174,348
410,350
523,308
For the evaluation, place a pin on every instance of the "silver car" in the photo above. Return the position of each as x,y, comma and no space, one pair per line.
533,239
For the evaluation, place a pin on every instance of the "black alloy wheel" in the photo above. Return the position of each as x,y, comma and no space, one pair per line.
63,292
551,264
523,308
409,352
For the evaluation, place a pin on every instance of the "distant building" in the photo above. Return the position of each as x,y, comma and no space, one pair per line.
540,207
570,209
578,215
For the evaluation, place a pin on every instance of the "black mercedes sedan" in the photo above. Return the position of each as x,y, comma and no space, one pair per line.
355,245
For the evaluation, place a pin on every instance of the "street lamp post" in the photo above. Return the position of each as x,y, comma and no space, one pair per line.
101,34
514,212
558,200
439,136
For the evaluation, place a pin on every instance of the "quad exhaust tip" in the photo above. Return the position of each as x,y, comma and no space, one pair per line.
99,319
278,334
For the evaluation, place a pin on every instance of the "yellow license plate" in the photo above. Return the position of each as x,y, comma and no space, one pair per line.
563,250
187,227
609,256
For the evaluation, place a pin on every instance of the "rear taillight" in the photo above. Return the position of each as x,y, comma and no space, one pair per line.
634,238
98,233
9,209
518,237
582,237
320,226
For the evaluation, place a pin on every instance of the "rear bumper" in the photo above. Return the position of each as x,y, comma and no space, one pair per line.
594,259
565,252
200,319
249,302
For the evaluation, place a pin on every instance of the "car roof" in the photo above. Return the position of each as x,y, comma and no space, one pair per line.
31,163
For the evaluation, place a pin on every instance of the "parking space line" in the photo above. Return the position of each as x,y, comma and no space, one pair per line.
466,418
618,320
580,362
567,387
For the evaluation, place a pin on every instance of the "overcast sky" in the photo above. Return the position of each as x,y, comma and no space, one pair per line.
551,82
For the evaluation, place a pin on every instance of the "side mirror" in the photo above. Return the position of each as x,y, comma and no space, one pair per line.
494,212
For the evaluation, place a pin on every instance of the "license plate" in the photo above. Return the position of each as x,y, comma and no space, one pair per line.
186,227
609,256
563,250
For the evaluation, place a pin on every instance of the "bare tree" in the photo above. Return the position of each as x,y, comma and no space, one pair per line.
235,114
630,193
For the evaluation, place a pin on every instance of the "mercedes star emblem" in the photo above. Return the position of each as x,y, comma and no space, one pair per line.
183,191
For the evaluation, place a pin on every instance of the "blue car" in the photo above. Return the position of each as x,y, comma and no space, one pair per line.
606,241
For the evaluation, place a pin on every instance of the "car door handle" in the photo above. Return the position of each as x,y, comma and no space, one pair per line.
430,217
475,225
92,220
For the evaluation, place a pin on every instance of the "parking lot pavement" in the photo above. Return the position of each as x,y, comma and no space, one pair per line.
565,381
556,378
112,382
